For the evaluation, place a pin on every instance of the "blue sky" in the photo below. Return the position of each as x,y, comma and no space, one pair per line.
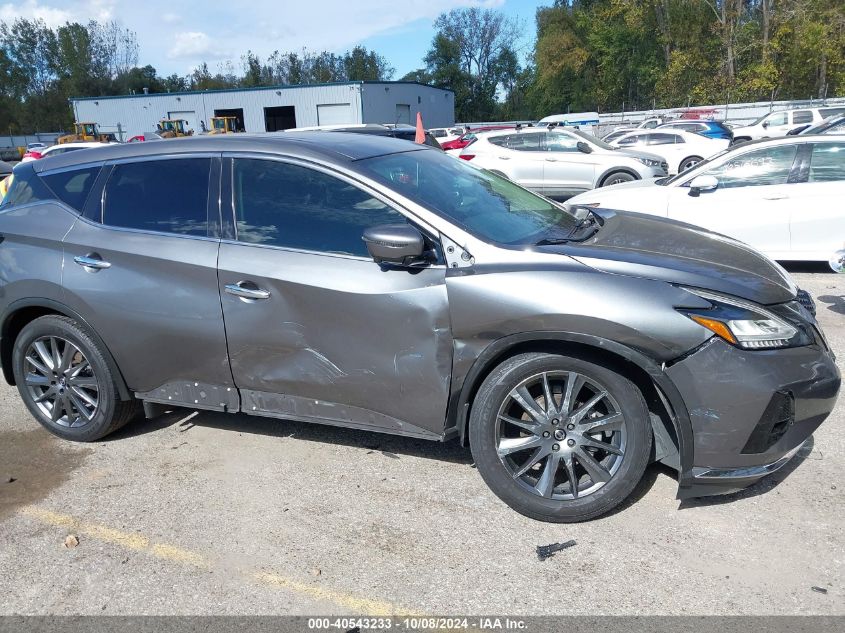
176,36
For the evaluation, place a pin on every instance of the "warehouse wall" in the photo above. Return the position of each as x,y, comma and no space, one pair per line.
383,103
315,105
140,113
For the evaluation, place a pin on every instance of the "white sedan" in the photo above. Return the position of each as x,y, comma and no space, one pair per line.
782,196
681,149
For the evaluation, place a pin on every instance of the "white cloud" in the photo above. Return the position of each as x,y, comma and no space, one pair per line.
32,10
190,44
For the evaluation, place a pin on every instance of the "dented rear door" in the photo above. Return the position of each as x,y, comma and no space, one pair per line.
316,330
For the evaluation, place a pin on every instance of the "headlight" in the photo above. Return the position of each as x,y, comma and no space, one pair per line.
650,162
744,324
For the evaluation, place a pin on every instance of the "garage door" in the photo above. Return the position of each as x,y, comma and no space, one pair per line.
335,114
190,116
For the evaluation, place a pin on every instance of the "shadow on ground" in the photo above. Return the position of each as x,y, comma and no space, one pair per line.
390,445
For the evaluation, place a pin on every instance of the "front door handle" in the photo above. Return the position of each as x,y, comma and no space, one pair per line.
92,262
776,196
504,157
247,290
551,160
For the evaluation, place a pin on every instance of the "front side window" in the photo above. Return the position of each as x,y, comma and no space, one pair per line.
629,141
168,196
488,206
837,128
561,142
769,166
827,162
280,204
777,119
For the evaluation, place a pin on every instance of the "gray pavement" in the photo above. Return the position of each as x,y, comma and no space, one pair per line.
217,514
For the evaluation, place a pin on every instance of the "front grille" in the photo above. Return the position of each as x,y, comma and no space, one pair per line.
776,419
806,300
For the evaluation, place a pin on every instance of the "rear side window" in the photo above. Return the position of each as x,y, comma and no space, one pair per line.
498,141
827,163
802,116
169,196
664,139
525,142
286,205
72,187
26,187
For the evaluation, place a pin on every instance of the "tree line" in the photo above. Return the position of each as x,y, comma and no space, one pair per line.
604,55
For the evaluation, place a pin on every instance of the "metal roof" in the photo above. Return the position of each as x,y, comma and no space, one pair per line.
257,88
338,147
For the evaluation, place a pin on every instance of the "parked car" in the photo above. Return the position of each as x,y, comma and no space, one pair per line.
681,150
710,129
617,133
469,136
781,122
56,150
831,125
781,196
445,134
35,146
372,284
559,162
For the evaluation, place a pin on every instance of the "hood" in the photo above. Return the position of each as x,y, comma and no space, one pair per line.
602,193
635,153
666,250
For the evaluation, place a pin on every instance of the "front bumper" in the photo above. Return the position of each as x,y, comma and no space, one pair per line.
750,411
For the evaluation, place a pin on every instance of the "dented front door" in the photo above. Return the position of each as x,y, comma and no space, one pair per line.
316,329
337,339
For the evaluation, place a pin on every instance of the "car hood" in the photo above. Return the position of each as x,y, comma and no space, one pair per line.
635,153
603,193
657,248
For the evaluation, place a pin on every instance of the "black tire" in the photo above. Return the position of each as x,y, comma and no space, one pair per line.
484,433
110,412
688,162
616,177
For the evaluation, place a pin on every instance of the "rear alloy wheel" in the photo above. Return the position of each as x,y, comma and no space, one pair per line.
616,178
559,439
65,381
690,161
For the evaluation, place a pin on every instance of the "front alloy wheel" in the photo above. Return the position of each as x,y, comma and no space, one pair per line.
561,435
559,438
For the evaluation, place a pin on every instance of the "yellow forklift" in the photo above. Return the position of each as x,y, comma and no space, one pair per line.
173,128
85,132
223,125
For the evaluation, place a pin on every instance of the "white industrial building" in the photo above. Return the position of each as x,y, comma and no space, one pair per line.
273,109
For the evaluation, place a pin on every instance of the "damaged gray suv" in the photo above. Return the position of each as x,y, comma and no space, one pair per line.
370,283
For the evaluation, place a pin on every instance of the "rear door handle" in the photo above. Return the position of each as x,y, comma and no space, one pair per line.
551,160
504,157
776,196
247,290
92,262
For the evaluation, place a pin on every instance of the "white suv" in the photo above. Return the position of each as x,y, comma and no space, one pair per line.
559,162
779,123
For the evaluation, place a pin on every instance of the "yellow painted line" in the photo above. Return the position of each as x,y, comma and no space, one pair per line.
172,553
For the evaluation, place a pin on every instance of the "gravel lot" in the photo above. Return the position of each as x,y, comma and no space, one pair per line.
215,514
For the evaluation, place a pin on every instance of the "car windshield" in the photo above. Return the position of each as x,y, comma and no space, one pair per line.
488,206
684,174
591,139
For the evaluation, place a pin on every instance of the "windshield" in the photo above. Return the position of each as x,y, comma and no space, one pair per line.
488,206
590,139
684,174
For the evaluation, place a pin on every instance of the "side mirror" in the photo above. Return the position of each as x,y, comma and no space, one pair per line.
702,183
765,124
837,262
395,244
584,147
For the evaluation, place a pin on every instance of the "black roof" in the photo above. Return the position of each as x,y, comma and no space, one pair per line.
336,147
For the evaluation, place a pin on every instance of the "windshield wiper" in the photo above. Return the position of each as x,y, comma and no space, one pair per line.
551,241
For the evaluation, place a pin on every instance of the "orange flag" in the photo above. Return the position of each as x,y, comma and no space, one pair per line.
420,137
